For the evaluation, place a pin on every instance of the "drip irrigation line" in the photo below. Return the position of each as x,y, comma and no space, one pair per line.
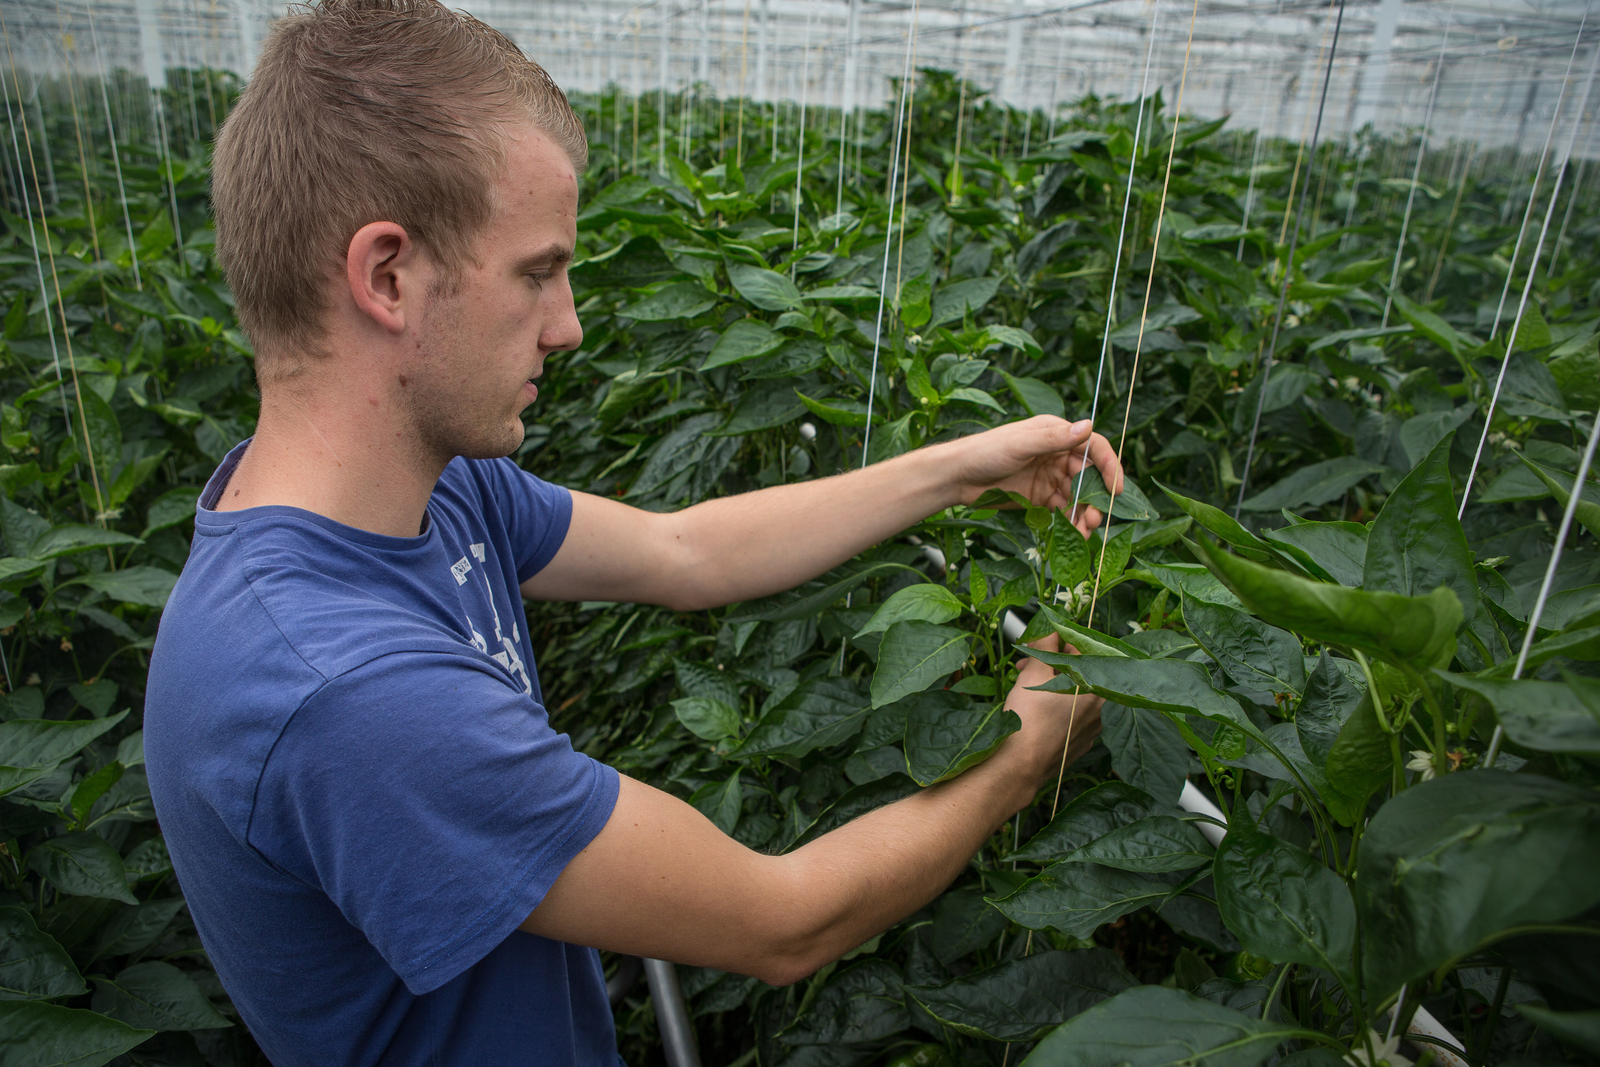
888,239
1538,176
1578,485
1416,174
1527,285
116,157
1288,272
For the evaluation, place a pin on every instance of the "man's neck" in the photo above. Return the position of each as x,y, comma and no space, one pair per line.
357,467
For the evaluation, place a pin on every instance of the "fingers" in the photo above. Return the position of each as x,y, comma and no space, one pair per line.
1103,456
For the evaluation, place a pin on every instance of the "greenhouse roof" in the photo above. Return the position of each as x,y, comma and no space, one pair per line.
1501,66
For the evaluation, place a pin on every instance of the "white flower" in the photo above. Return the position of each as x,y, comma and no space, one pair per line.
1386,1052
1421,760
1032,556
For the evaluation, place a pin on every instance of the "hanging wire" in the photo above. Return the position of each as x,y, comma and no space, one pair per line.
33,236
888,233
1537,613
1133,373
1416,171
1527,285
1538,176
1288,273
800,142
61,304
116,157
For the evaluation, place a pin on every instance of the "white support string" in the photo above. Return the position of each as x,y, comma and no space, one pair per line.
1538,176
116,157
1116,263
1537,613
1288,267
888,234
1527,286
1416,171
800,142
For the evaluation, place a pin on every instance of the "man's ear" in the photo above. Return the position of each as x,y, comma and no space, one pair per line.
383,268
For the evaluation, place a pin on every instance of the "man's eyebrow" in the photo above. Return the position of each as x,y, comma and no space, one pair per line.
549,256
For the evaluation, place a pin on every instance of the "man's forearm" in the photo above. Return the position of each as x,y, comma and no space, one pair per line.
740,547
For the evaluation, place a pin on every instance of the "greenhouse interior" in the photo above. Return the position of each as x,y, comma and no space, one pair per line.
1324,277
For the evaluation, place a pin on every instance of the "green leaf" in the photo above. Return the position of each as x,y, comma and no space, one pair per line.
1131,504
1088,642
1317,483
1015,337
766,289
82,864
1560,485
1333,551
924,602
1035,396
30,748
1155,845
953,300
1418,630
32,965
1187,579
1172,685
1330,699
1019,1000
946,734
1359,763
1450,863
1417,544
915,656
1147,750
47,1035
1580,1029
1077,898
137,928
1222,524
1153,1026
859,1004
721,802
964,922
786,606
1283,903
679,300
707,718
143,585
170,508
1431,326
1543,716
819,713
838,412
104,441
745,339
1253,653
1069,553
1089,815
70,539
92,788
158,996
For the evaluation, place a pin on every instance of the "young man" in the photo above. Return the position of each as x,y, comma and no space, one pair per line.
390,855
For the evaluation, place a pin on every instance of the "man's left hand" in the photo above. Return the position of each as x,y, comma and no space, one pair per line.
1040,458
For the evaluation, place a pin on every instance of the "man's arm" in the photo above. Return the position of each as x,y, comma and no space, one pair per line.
735,548
661,881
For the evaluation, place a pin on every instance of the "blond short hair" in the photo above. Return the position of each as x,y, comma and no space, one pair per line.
362,111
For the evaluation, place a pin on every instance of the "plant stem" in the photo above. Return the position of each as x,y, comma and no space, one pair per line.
1492,1021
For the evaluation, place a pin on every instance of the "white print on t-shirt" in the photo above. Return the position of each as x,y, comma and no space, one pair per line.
508,657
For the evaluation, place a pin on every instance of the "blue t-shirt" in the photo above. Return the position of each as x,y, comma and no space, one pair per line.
360,787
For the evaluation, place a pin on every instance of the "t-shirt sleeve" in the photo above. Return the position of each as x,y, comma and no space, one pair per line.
536,513
432,803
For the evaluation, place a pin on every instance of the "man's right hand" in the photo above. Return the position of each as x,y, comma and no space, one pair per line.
661,881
